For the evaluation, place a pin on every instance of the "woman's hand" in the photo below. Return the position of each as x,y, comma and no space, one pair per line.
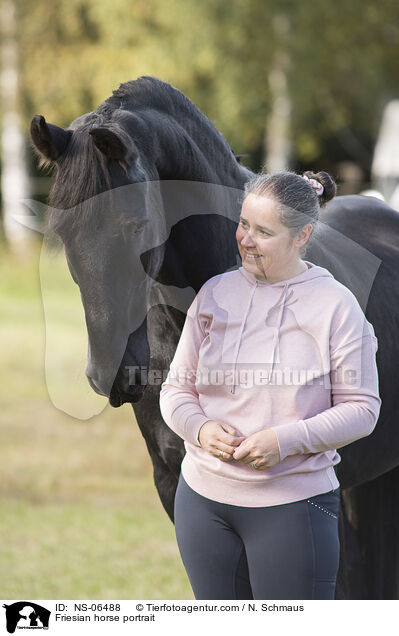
261,448
216,436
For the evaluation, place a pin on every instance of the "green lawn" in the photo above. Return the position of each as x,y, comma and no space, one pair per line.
80,516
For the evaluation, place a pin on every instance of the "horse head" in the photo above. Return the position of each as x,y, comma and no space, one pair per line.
102,207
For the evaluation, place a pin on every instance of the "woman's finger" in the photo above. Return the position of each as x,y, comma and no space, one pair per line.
223,455
251,457
242,454
220,446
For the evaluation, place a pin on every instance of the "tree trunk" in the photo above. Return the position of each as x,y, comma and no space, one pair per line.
278,149
14,178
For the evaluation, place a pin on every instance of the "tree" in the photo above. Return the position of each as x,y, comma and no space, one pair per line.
14,178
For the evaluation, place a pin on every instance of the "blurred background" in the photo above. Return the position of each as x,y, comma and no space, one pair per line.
299,85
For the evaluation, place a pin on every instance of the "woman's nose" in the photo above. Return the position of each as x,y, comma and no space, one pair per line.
247,239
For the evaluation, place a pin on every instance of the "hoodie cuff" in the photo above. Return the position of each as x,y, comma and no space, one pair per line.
193,426
289,438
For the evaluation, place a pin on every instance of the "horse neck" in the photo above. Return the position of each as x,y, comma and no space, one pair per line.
193,150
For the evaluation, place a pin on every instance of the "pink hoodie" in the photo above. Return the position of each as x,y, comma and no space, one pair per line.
297,356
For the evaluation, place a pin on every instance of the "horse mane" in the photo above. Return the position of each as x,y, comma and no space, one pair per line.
148,91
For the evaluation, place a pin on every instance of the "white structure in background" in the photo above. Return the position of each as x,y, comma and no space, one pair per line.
372,193
277,143
385,166
14,178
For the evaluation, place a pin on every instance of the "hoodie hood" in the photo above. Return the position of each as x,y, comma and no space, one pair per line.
313,271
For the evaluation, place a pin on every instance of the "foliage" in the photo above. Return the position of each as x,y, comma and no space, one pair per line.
341,62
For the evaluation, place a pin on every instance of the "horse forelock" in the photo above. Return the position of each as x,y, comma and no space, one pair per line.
82,172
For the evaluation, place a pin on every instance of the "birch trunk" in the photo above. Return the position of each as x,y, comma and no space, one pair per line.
14,178
277,146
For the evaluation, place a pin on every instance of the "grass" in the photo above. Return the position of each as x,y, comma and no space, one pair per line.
80,516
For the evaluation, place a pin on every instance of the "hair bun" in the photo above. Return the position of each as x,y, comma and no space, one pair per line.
330,187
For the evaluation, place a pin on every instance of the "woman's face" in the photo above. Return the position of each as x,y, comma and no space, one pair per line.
265,245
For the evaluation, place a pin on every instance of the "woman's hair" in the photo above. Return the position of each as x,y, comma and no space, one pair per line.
297,201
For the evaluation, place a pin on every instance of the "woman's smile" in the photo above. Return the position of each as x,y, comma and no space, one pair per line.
250,255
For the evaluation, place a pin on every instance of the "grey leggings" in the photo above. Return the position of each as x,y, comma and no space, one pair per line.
285,552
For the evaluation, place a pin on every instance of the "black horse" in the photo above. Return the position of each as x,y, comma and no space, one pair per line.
146,201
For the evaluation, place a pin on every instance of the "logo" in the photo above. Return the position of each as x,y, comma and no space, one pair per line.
26,615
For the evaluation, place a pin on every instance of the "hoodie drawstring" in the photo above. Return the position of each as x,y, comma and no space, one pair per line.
232,390
275,335
277,331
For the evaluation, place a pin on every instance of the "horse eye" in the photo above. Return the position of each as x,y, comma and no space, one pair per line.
135,227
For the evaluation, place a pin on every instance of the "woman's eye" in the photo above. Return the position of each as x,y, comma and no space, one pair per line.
245,226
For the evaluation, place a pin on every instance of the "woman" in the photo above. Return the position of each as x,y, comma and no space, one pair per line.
275,369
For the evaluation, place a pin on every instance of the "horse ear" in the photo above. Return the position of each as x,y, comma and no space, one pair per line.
110,144
50,140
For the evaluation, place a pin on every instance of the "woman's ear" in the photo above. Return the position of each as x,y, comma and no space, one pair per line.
302,237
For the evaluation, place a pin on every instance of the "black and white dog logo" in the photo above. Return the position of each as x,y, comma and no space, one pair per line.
26,615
